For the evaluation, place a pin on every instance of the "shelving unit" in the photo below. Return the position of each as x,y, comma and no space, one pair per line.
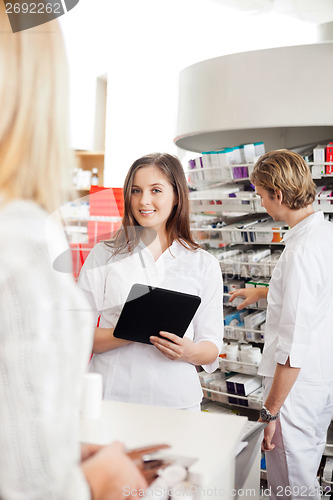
83,233
87,160
213,226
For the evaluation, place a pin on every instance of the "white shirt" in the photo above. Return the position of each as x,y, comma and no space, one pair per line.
299,321
45,341
139,373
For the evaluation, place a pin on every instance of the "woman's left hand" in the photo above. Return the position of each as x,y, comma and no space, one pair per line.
174,347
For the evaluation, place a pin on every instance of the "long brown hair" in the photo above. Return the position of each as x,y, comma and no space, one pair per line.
178,223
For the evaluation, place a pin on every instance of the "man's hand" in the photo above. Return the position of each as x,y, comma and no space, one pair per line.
251,295
269,432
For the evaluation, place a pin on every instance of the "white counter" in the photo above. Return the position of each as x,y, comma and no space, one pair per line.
211,439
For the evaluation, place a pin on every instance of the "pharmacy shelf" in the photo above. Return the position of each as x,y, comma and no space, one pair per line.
241,366
97,218
228,295
223,244
217,178
242,328
247,229
220,167
254,405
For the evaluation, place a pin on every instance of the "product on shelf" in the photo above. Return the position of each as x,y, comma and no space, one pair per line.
252,322
207,378
329,158
234,318
242,385
256,399
225,164
94,177
319,159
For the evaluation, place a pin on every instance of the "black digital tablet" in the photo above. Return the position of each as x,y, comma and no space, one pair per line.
149,310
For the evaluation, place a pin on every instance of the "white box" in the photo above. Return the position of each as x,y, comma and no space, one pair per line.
238,157
252,322
247,384
231,383
261,268
221,386
249,152
251,284
259,148
316,171
256,399
224,159
318,157
262,284
257,255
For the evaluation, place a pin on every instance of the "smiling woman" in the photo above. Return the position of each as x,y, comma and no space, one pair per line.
166,172
154,247
152,199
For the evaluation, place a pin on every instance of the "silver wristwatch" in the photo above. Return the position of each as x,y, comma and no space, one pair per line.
266,415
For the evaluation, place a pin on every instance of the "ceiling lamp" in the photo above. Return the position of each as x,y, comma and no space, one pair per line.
264,95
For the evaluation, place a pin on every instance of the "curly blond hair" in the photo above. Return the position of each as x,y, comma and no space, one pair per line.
285,171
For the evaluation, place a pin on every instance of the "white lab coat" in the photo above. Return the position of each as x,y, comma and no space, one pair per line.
139,373
300,326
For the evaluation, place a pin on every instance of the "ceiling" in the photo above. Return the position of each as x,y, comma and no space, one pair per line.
314,11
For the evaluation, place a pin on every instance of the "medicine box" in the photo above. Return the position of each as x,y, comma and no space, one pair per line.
259,148
243,385
235,318
247,384
205,159
207,378
261,284
248,152
256,399
231,388
219,385
231,383
329,158
319,157
252,322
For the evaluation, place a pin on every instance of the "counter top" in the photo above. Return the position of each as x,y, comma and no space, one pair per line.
210,439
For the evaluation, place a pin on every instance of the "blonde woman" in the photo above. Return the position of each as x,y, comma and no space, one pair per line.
45,334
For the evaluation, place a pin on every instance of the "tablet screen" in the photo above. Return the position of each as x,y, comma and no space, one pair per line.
149,310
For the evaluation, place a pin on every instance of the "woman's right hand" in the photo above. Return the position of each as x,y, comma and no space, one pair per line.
251,295
111,474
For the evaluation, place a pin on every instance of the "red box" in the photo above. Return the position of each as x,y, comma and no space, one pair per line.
106,202
80,252
329,158
100,230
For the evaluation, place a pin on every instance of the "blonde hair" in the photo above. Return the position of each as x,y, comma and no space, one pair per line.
285,171
35,159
